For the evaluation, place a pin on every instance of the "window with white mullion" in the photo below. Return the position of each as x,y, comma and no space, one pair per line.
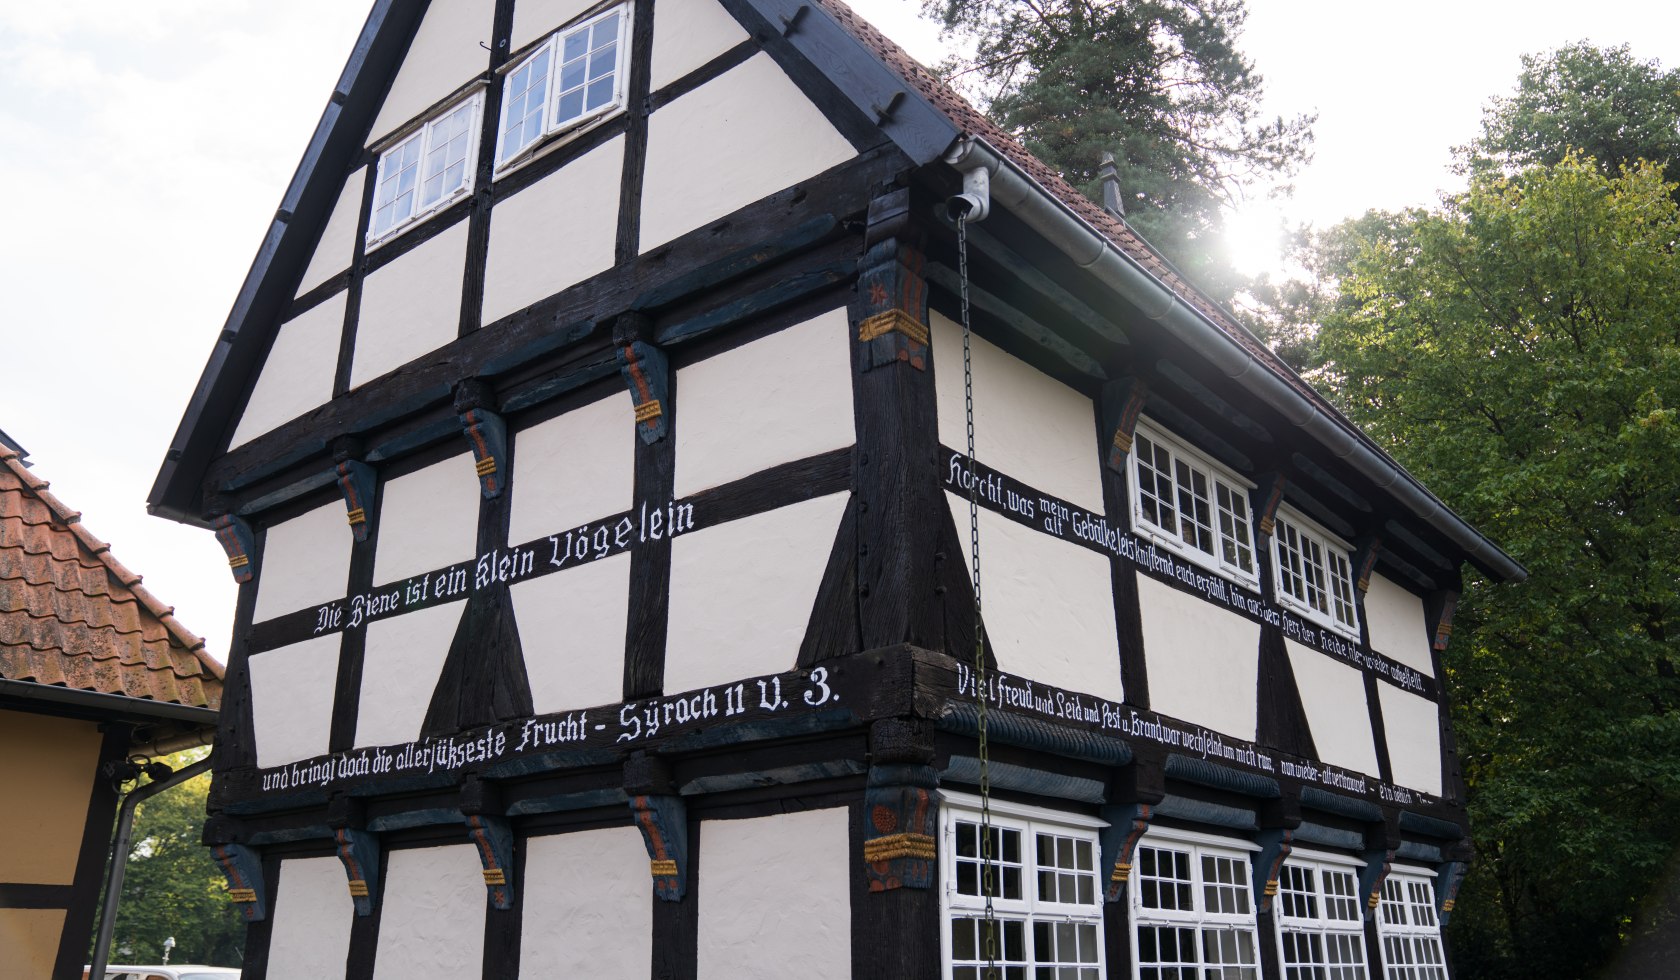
525,101
1321,934
1047,904
426,170
394,188
590,77
448,147
1191,504
1410,930
1192,913
1314,573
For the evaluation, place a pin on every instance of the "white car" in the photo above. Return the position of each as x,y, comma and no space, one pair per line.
184,971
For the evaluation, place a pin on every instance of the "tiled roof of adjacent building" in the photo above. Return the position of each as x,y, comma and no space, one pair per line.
73,616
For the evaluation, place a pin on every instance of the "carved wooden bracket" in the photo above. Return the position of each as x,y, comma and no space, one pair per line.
492,837
1126,825
663,821
901,846
356,481
1267,496
1122,403
1365,559
1378,863
236,539
1275,845
648,376
1444,621
891,315
242,866
358,851
487,437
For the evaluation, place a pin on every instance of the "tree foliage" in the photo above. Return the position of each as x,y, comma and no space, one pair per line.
1519,349
1161,84
1602,104
172,887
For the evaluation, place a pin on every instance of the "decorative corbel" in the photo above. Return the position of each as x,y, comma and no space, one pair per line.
901,799
1449,876
356,481
1126,825
1365,559
236,539
1448,602
891,313
1268,494
1275,845
663,821
648,376
492,837
242,866
357,849
1122,403
486,436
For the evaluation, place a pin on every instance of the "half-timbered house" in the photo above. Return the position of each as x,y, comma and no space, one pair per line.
591,438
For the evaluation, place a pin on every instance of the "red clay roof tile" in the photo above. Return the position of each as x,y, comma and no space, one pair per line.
72,615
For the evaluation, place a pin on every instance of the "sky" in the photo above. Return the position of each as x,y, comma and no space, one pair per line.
147,145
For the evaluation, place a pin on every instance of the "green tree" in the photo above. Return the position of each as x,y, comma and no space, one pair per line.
172,887
1600,103
1519,350
1161,84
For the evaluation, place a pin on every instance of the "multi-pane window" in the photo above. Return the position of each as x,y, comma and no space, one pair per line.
1320,931
1190,503
1046,895
427,169
1192,912
1314,573
1410,930
573,76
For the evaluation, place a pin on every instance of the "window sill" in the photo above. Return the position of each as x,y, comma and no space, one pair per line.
1323,620
1205,562
551,142
413,221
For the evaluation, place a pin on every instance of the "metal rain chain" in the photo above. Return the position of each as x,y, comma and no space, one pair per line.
987,882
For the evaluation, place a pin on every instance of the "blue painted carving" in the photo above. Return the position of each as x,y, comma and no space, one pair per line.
1268,864
358,851
1449,875
648,376
1126,824
355,484
487,436
900,844
242,866
663,821
492,838
1122,403
235,537
1377,865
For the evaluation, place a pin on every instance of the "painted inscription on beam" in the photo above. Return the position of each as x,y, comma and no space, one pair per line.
1058,518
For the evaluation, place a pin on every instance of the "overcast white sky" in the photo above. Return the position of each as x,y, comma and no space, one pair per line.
145,145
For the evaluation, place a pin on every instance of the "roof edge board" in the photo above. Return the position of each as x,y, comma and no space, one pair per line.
1073,236
167,497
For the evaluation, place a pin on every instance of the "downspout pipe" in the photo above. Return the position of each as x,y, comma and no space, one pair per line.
119,858
1011,188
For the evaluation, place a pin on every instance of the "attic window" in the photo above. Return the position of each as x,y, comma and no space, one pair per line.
572,77
1192,505
427,170
1314,573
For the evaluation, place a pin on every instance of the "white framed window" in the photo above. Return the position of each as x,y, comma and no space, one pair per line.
426,170
1192,908
1192,505
577,74
1047,892
1409,929
1314,573
1321,933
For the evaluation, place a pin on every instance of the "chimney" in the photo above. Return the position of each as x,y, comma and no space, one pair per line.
1110,178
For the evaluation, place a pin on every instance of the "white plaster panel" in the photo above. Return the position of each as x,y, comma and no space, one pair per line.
411,306
1333,695
445,55
1413,727
305,562
432,923
573,468
1397,624
742,592
1049,605
1203,662
533,19
292,699
312,916
571,629
736,139
555,233
588,906
298,374
776,891
782,398
1027,424
427,520
686,35
337,246
400,669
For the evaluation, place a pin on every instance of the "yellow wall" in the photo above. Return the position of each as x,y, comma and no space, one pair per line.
48,768
29,942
